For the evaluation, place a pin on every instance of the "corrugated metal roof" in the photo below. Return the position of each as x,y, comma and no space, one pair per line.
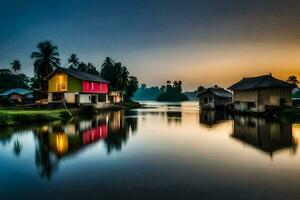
265,81
19,91
79,75
220,92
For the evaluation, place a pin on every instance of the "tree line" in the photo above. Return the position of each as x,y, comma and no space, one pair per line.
46,59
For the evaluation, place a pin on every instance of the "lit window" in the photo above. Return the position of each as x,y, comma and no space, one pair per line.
61,86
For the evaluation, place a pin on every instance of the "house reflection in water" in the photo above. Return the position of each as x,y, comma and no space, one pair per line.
58,141
212,117
267,136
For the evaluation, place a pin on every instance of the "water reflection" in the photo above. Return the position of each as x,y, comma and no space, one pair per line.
56,141
211,117
267,136
176,146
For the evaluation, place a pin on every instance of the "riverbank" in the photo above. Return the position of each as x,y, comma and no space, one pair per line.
22,115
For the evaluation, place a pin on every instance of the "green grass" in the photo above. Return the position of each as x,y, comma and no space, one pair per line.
26,117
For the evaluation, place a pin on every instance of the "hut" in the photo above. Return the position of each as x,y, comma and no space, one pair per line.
214,98
17,96
258,94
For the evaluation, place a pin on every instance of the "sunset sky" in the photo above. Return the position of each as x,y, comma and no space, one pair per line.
201,42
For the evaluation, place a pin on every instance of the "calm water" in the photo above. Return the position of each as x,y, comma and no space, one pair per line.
166,151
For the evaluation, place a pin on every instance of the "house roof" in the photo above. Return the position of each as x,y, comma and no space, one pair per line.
84,76
265,81
19,91
220,92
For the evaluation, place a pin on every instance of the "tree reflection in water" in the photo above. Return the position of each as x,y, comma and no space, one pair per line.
58,141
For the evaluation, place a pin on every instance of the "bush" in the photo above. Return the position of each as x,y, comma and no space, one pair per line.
88,110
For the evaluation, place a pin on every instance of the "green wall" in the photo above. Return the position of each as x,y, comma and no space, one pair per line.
74,85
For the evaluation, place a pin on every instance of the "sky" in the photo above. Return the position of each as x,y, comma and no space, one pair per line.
201,42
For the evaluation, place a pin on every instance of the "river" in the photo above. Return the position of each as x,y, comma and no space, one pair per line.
163,151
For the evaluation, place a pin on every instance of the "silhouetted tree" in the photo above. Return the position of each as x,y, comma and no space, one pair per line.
200,89
9,80
45,60
122,78
73,61
16,66
293,80
132,87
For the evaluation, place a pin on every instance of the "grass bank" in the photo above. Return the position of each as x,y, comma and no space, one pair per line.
18,117
22,116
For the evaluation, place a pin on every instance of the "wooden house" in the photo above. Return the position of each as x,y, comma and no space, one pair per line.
214,98
17,96
257,94
76,87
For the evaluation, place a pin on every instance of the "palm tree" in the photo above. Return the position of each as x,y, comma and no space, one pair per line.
107,68
46,59
73,61
122,78
16,66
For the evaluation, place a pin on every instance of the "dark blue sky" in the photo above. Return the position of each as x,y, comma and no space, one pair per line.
156,39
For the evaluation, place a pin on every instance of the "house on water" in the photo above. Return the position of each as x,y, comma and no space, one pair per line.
76,87
257,94
214,98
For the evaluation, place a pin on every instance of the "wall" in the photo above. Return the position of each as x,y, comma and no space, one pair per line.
262,98
70,98
209,104
85,98
243,97
59,78
272,96
50,95
74,84
94,87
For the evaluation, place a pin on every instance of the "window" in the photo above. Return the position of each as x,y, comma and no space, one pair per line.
62,86
205,100
210,100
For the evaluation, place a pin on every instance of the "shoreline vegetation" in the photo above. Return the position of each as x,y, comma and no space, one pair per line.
20,115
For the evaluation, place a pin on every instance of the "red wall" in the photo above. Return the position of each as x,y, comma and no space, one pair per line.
98,87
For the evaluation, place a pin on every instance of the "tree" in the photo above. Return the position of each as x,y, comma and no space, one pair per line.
73,61
9,80
132,87
82,67
46,59
107,68
16,66
200,89
92,69
293,80
122,78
